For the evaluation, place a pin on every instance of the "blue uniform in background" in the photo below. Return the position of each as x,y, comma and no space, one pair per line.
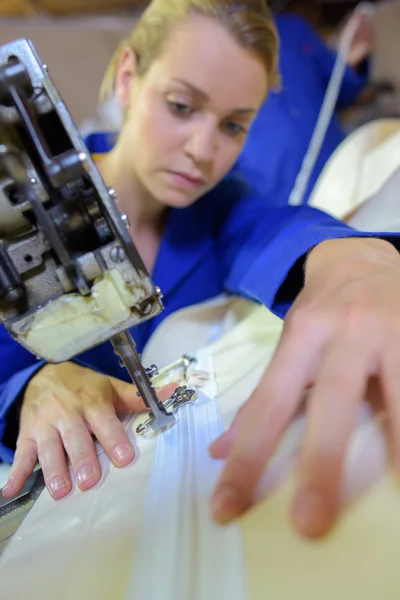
280,135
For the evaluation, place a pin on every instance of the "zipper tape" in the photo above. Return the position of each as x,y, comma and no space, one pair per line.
182,554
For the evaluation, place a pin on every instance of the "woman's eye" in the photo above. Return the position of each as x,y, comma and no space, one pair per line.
233,129
180,108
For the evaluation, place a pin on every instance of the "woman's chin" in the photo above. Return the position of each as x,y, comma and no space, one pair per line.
176,199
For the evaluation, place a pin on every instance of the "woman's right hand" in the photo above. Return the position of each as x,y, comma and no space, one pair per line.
63,404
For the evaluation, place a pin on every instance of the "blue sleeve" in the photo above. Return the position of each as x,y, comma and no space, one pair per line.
17,366
324,59
10,391
262,250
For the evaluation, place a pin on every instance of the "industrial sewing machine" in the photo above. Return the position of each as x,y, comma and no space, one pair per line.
70,274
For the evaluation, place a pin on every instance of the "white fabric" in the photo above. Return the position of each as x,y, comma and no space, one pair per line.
382,211
196,559
83,547
360,558
359,174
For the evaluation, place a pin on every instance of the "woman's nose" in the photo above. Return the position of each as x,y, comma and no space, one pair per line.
202,144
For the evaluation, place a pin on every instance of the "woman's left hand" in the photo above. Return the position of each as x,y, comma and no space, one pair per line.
343,330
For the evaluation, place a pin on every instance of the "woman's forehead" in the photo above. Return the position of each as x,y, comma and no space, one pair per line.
203,53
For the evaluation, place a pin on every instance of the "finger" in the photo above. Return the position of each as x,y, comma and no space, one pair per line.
260,425
52,460
333,407
126,396
390,385
80,448
24,463
220,448
111,434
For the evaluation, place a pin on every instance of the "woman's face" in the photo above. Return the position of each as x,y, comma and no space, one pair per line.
189,114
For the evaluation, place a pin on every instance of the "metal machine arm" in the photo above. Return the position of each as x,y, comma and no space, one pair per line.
70,274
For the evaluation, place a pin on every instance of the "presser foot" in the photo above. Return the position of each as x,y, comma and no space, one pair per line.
181,396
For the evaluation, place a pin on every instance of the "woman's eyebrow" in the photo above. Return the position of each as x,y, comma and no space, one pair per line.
195,90
205,97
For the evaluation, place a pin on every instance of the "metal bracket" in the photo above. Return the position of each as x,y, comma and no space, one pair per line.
181,396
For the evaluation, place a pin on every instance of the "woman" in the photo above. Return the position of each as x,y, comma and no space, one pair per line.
191,79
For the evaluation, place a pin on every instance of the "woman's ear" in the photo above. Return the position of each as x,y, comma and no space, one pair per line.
125,73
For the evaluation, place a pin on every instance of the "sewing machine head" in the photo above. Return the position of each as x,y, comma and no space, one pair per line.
70,275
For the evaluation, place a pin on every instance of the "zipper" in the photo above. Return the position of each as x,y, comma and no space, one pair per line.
181,553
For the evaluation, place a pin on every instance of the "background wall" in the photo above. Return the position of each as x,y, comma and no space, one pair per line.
76,51
76,39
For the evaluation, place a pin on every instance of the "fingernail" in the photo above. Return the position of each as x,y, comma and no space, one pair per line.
84,474
120,453
9,485
311,513
224,504
57,484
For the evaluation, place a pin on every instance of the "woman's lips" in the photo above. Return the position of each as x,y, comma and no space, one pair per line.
185,180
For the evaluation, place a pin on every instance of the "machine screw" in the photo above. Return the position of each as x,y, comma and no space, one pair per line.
152,371
112,194
83,158
125,220
117,254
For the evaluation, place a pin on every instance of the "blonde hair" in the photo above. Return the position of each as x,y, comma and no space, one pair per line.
248,21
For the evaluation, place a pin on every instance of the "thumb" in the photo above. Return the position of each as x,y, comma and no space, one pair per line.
127,399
